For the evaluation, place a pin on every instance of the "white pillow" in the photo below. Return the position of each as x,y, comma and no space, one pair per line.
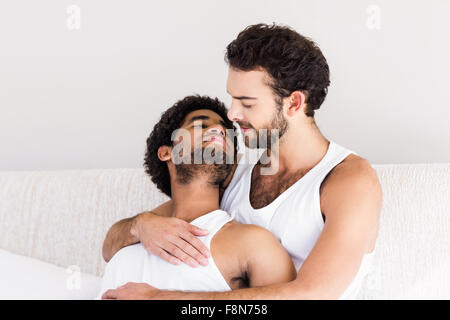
27,278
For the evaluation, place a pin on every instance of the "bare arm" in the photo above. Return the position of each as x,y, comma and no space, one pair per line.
119,236
351,201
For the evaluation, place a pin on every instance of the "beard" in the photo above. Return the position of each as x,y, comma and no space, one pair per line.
215,172
262,138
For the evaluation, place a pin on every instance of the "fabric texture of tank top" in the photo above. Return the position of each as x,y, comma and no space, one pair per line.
135,264
294,217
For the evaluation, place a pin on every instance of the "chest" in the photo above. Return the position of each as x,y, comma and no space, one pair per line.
264,189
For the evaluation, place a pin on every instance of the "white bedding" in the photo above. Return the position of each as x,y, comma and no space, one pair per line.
27,278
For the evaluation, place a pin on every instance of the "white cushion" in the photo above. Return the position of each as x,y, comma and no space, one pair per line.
27,278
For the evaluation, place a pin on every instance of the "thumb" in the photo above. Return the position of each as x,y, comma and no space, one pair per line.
198,231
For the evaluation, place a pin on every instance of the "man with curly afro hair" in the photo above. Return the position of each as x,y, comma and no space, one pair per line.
161,137
236,261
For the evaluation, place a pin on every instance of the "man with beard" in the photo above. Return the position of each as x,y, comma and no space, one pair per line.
189,156
321,200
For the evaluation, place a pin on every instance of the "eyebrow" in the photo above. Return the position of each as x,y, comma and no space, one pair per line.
244,98
241,97
204,118
197,118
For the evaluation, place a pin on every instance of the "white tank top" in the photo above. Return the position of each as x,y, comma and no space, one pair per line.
135,264
294,217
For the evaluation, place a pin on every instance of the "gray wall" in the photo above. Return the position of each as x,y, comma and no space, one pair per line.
86,95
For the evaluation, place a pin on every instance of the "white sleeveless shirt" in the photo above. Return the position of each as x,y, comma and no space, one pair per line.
135,264
294,217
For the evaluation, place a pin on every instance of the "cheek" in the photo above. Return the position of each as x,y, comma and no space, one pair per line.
197,139
251,116
258,118
196,136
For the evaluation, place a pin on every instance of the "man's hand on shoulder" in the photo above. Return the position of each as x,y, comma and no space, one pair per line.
169,238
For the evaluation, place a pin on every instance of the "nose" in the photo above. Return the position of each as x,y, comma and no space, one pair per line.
235,112
216,129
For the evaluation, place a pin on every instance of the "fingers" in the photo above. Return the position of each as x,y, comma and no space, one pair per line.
201,251
189,255
197,231
109,294
177,243
194,241
160,252
166,256
177,252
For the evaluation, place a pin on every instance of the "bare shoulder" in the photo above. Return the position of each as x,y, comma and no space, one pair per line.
248,241
353,180
239,240
353,171
256,253
245,232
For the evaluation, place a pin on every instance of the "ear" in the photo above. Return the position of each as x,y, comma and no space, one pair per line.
165,153
296,102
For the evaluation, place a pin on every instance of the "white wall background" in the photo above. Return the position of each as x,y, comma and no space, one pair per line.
88,98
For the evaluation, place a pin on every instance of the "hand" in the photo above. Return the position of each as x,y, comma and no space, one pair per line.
171,239
132,291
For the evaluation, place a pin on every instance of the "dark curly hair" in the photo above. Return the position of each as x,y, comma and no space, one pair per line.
161,135
293,61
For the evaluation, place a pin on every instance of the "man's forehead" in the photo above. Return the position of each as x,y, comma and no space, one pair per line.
241,83
203,114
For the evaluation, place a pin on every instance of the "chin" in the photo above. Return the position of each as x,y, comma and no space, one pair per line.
251,142
220,173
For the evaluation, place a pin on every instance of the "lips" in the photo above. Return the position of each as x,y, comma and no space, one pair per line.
216,138
244,130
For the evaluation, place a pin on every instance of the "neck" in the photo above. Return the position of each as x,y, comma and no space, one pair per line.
193,200
300,148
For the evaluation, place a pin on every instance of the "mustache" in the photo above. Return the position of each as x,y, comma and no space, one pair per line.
245,125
